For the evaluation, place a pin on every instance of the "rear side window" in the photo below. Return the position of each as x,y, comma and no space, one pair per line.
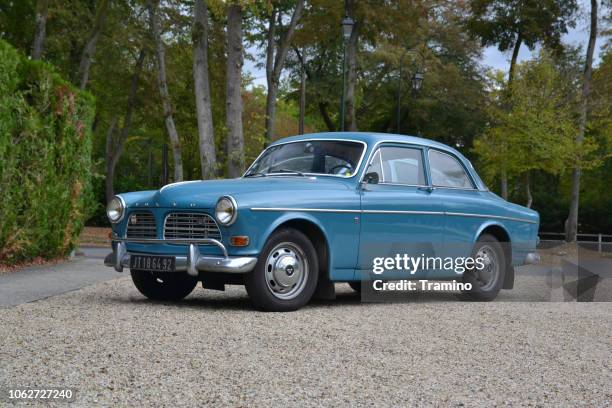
446,171
398,165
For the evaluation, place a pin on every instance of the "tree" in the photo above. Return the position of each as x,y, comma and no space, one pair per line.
42,8
571,229
511,23
164,94
115,145
539,126
351,75
276,53
208,157
235,138
90,47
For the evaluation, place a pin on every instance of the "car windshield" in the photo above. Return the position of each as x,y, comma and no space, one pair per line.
337,158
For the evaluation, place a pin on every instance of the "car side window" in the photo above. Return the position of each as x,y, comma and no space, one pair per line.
375,171
398,165
446,171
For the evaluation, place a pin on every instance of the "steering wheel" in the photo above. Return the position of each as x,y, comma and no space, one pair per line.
341,166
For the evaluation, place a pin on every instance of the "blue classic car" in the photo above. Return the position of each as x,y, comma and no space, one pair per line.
322,208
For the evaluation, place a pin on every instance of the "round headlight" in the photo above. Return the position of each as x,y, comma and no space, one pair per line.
226,210
115,210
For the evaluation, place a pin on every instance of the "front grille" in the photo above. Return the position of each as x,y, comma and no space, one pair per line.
191,226
141,224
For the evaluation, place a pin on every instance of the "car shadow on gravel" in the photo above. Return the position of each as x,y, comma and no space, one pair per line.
230,300
200,302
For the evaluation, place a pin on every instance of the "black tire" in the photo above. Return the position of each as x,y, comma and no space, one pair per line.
167,286
270,277
486,289
355,285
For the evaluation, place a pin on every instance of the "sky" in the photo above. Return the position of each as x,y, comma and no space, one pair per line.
575,36
491,57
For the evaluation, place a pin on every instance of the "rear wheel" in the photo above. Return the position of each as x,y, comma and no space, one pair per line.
170,286
286,273
486,281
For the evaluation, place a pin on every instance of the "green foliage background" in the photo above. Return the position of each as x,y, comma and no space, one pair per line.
45,159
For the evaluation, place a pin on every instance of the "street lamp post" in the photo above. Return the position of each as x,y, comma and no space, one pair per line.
347,29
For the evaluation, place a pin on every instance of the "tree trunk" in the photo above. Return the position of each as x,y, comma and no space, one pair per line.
165,95
208,156
90,47
235,138
325,115
110,160
515,53
114,149
572,219
275,60
504,182
351,81
302,98
528,189
271,94
42,8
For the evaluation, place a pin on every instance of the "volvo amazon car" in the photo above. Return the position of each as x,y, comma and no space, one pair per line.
317,209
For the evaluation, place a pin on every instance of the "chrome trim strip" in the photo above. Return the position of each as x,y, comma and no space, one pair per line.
402,212
329,210
357,168
178,183
333,210
499,217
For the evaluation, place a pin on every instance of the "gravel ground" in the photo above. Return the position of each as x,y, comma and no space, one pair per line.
118,349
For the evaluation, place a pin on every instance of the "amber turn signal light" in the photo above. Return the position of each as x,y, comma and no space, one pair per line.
239,241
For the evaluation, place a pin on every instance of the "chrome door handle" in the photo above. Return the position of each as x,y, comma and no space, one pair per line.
429,189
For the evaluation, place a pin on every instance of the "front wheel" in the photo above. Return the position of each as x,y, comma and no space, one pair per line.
170,286
486,281
286,273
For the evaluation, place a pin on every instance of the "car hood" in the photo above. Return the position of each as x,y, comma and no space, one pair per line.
205,193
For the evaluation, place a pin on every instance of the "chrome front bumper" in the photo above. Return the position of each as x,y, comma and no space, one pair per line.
192,263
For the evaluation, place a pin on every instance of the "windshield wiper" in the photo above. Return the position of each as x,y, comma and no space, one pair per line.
256,174
290,171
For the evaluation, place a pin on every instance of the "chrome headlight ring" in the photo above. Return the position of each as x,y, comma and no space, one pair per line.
115,210
226,210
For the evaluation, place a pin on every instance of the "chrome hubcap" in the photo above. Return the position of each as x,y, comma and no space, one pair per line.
286,271
487,277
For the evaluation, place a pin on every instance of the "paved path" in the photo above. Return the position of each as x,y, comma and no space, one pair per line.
39,282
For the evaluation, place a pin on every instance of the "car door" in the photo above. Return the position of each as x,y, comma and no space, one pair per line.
461,202
399,215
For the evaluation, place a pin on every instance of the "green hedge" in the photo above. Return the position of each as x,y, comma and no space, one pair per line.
45,159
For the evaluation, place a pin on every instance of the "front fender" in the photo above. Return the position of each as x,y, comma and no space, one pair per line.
291,216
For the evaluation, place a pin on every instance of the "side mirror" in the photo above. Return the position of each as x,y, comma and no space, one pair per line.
371,178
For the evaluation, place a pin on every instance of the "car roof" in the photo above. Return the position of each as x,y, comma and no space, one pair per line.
371,138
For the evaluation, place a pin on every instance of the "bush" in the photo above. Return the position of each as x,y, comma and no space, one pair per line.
45,159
